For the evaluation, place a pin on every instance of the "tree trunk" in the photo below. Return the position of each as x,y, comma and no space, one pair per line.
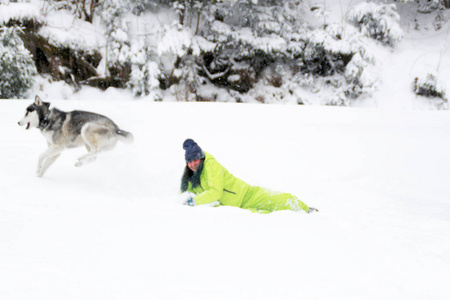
181,16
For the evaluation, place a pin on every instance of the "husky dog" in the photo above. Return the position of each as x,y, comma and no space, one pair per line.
71,129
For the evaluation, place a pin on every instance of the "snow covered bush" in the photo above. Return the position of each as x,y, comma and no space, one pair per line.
329,68
243,53
431,88
378,21
16,64
360,76
250,36
325,52
339,66
427,6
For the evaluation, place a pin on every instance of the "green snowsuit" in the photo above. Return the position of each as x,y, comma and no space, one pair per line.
217,184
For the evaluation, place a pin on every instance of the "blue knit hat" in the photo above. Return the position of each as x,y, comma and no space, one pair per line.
193,151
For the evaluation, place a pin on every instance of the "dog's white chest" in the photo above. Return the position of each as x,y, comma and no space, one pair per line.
48,136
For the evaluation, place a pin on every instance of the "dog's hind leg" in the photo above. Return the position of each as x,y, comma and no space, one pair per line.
86,158
97,138
46,159
90,141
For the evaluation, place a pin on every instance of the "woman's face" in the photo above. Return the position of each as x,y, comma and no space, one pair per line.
193,165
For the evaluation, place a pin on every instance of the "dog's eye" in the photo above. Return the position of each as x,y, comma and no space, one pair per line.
26,114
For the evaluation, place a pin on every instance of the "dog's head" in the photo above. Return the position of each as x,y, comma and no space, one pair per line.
35,113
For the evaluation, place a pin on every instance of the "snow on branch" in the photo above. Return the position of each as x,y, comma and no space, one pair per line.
19,11
380,22
215,75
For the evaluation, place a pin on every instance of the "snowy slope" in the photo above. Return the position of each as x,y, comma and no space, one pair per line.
115,230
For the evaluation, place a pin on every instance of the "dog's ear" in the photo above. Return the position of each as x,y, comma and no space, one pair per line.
38,101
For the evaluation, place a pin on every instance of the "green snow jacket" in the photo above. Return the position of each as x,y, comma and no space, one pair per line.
217,184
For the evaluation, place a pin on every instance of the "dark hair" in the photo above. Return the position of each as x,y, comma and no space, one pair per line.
191,176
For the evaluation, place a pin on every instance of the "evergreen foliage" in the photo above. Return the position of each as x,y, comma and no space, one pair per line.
145,74
378,21
118,44
429,87
16,64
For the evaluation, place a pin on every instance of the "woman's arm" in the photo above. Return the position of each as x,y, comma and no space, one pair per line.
213,172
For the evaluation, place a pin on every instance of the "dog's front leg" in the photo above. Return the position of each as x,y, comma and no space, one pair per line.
46,159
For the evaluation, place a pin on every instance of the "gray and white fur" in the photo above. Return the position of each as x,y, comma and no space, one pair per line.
77,128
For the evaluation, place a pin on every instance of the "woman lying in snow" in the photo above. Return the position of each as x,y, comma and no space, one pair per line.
205,181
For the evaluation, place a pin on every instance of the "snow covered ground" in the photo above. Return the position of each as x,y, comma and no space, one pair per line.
115,229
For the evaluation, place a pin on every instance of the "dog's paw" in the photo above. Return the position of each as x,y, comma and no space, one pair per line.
85,159
39,172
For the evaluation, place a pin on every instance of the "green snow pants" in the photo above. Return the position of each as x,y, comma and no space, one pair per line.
263,200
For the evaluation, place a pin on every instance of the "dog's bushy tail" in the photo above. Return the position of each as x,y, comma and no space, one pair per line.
125,136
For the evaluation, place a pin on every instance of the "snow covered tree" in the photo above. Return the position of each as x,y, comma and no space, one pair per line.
118,44
182,52
16,64
378,21
188,79
145,73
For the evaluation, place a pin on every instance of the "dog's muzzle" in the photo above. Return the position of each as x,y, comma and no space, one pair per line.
28,125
